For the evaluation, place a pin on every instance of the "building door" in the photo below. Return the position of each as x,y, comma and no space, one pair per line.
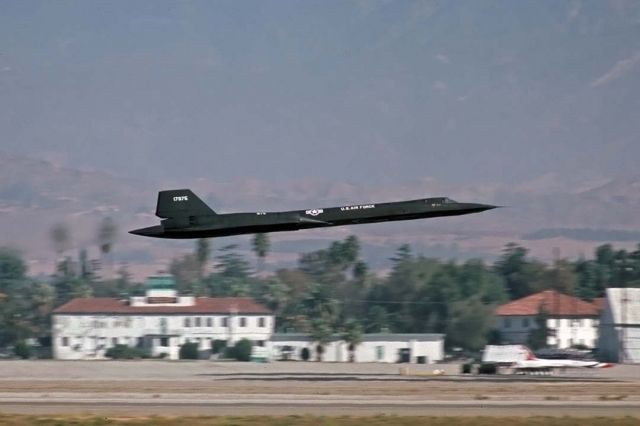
404,355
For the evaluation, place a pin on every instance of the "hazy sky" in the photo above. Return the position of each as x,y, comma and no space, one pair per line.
358,91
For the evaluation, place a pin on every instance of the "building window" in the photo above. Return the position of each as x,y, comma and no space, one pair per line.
198,321
506,322
260,343
187,322
225,321
243,321
164,342
209,322
525,322
114,341
65,341
261,322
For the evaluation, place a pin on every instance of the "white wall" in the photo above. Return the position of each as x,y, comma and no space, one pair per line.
615,339
568,331
89,336
367,351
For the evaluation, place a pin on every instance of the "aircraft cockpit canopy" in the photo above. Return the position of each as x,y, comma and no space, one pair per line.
440,201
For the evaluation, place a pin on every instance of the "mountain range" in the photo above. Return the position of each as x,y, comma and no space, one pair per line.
546,215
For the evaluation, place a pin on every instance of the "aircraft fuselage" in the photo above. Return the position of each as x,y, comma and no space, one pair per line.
183,224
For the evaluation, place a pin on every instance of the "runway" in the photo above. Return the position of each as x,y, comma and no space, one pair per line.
287,405
168,388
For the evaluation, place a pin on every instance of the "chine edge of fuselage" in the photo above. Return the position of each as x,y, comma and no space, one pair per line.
432,208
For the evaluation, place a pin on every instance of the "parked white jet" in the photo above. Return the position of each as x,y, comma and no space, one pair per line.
531,363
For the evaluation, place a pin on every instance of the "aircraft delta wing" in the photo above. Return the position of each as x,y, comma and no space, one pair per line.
184,215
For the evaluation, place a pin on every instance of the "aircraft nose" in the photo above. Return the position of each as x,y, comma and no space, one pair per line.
151,231
476,208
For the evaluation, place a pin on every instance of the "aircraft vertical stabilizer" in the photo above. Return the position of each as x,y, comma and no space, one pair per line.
181,203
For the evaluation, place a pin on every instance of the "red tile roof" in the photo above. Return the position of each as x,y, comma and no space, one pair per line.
203,305
599,302
553,303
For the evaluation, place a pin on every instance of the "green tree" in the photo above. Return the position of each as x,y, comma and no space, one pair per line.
218,346
26,305
539,336
417,287
69,283
22,350
40,299
360,271
242,350
271,292
12,269
403,254
320,305
125,352
321,333
352,335
521,275
586,272
377,319
232,274
189,350
561,277
605,261
330,266
470,323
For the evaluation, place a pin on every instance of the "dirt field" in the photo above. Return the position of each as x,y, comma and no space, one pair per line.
202,387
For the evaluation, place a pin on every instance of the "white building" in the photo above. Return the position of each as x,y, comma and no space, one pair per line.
620,326
571,321
379,347
159,322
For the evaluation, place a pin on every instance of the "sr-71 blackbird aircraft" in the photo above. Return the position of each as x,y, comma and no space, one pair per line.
184,215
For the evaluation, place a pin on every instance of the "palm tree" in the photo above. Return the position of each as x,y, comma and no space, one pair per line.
61,238
353,336
261,246
106,237
203,252
321,333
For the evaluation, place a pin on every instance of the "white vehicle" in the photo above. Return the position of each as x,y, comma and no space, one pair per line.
533,364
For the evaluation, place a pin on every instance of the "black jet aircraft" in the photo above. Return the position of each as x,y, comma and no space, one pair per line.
184,215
